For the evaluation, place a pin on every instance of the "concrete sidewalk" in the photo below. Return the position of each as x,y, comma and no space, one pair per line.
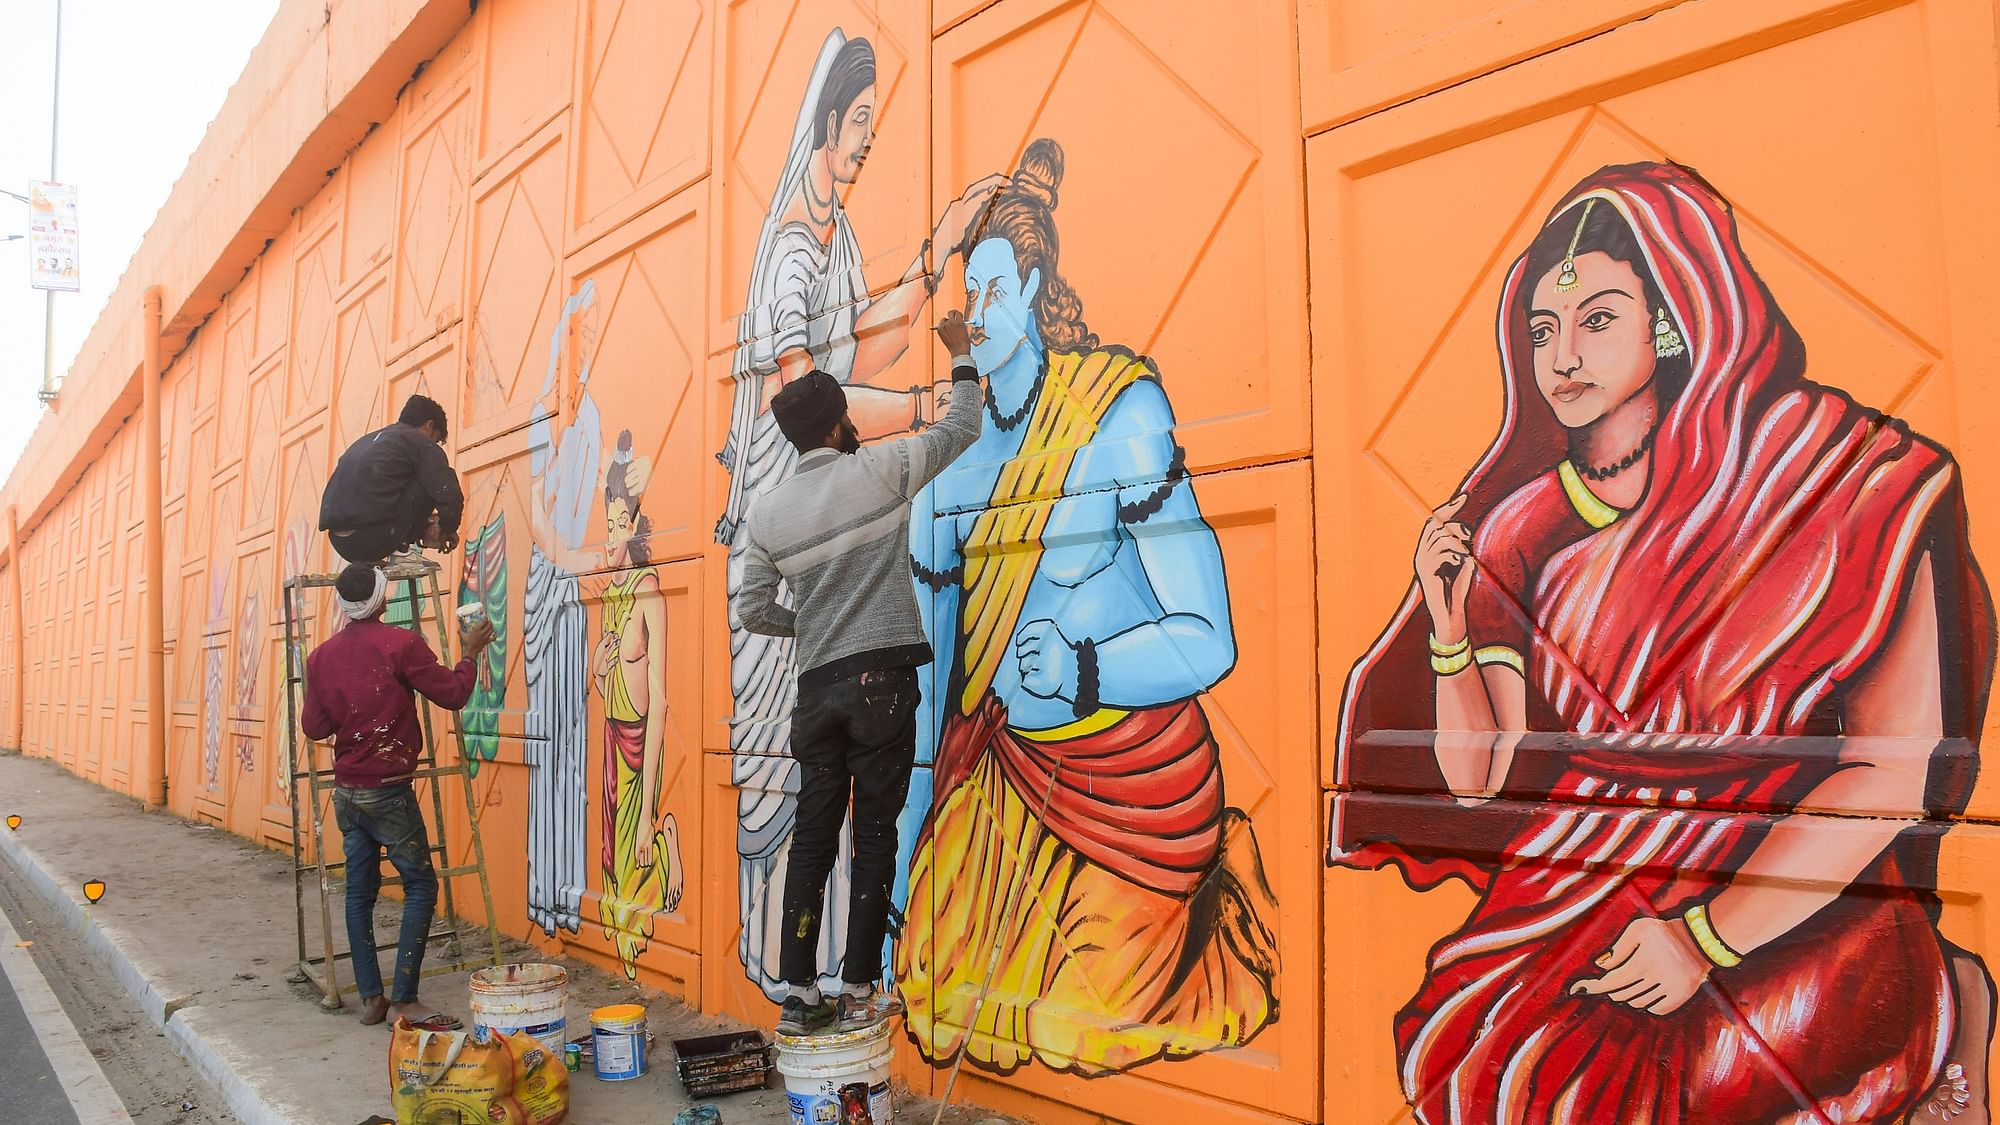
198,927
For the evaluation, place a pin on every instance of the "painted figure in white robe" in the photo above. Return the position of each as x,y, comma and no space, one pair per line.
565,455
808,307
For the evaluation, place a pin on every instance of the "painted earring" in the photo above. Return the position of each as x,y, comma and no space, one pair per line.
1667,342
1566,277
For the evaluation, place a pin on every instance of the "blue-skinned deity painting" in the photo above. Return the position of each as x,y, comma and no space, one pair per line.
1078,840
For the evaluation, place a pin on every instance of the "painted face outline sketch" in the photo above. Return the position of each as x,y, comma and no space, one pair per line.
1682,748
564,462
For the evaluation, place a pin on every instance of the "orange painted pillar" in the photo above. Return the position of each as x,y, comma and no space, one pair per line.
151,780
16,701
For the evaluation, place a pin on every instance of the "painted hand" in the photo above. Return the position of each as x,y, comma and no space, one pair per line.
643,851
1654,966
960,220
606,656
1444,567
1047,661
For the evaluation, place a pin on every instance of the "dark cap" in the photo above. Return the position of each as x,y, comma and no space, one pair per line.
808,409
356,582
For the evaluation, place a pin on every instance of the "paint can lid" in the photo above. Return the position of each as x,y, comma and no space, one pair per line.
619,1013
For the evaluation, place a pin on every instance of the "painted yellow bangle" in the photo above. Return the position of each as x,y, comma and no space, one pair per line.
1452,665
1712,946
1449,650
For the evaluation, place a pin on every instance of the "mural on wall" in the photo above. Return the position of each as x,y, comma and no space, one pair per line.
248,660
808,307
1687,599
211,682
639,851
484,583
1076,774
565,451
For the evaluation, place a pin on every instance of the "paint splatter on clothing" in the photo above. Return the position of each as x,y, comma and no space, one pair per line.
360,691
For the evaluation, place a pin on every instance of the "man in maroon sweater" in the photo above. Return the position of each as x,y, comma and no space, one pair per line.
359,692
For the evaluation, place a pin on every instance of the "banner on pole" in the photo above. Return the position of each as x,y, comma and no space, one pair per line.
52,257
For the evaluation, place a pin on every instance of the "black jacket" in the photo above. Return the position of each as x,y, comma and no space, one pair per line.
394,476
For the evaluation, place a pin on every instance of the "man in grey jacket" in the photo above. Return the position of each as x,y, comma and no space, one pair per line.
837,534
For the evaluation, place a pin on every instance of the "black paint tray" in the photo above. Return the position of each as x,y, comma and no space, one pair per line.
723,1064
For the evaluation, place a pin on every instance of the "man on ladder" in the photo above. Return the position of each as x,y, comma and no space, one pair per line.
359,691
393,488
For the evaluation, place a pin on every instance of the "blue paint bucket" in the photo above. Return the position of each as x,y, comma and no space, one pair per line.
618,1042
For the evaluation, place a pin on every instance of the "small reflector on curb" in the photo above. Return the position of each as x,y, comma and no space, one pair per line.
93,890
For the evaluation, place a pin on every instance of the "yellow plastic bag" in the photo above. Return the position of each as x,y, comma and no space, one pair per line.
541,1082
459,1078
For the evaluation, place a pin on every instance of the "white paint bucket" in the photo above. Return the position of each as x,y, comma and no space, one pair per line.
837,1079
618,1042
525,999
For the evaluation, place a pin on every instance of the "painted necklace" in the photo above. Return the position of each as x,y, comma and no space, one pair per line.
1008,423
1606,472
821,210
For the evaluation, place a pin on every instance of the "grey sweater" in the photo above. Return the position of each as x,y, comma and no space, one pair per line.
837,532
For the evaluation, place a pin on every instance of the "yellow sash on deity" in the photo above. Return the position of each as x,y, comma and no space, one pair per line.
1005,547
620,597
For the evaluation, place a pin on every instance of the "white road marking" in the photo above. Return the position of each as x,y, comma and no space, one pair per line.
89,1092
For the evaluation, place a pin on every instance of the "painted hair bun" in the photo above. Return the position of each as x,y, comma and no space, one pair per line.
1040,173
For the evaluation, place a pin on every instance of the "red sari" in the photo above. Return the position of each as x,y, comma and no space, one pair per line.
1687,658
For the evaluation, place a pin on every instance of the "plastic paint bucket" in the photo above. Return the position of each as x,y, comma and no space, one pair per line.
838,1079
618,1042
470,614
527,999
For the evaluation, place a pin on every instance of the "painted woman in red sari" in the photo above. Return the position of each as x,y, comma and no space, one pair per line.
1689,660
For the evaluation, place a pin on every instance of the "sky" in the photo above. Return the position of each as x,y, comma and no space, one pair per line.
141,80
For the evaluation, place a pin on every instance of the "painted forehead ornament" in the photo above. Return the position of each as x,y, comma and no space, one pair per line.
1566,279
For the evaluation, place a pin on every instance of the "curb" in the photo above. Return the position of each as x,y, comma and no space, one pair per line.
167,1010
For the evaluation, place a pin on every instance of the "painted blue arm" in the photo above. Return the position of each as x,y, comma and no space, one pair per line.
931,554
1192,646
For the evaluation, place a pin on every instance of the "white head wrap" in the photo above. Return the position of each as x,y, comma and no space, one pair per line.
368,606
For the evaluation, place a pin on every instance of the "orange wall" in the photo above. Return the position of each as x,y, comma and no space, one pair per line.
1304,215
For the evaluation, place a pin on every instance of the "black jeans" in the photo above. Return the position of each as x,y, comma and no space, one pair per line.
404,526
855,737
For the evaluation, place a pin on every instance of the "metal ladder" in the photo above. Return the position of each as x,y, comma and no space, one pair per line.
303,758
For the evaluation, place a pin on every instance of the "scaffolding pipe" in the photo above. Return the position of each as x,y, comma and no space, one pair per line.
16,697
152,780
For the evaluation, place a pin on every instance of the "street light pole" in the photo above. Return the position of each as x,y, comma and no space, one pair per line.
48,392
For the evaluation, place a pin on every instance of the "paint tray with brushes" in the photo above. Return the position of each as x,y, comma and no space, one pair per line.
723,1064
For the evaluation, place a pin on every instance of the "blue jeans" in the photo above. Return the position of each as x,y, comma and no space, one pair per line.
372,820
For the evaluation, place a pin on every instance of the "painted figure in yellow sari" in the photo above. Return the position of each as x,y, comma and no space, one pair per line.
1079,609
639,851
